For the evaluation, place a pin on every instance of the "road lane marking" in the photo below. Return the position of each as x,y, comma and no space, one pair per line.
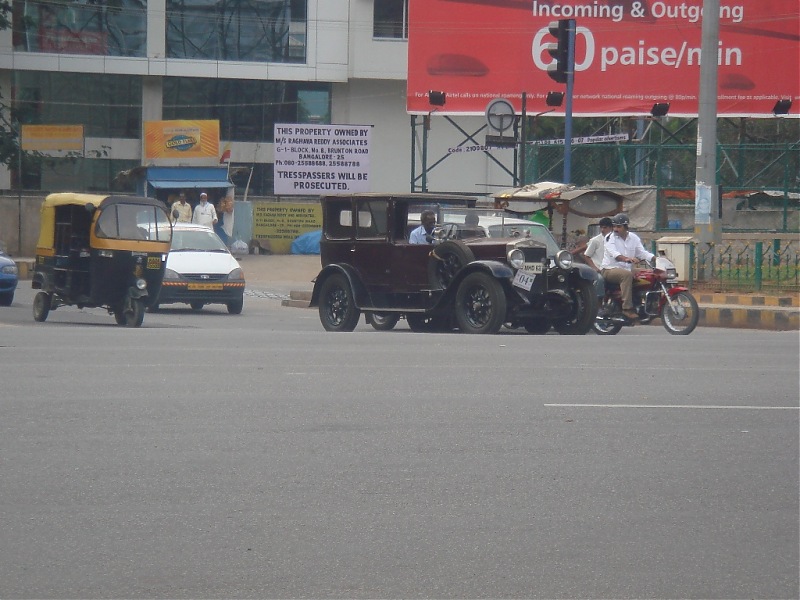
695,406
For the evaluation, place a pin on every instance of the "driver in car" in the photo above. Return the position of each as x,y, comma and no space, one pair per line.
423,233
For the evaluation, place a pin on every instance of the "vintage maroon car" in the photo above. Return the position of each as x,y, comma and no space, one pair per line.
474,283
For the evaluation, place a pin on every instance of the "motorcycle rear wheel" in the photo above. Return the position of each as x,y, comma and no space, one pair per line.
680,314
606,327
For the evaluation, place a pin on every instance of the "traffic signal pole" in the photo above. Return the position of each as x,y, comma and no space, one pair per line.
568,107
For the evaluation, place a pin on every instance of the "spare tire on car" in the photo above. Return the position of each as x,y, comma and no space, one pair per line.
447,259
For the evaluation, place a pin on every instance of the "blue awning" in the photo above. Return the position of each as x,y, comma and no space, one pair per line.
189,184
190,178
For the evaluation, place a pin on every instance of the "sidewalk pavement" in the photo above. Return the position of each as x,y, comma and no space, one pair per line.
292,275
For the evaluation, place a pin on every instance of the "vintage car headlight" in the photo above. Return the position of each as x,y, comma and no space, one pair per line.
236,275
564,259
516,258
9,270
141,284
170,274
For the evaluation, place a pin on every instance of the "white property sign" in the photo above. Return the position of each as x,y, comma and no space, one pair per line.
311,159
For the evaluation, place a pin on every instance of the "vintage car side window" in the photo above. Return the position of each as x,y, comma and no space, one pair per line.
372,222
339,220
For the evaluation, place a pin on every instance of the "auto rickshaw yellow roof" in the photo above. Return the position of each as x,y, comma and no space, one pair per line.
72,198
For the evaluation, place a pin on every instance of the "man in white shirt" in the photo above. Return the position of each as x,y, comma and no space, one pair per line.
622,250
595,250
422,234
204,212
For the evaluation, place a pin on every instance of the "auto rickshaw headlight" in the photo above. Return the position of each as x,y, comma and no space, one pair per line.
236,275
564,259
106,253
170,274
141,284
516,258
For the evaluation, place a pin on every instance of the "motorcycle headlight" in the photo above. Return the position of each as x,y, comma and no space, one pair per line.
170,274
141,284
236,275
516,258
564,259
10,270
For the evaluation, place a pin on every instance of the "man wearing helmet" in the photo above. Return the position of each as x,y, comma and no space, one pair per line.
623,249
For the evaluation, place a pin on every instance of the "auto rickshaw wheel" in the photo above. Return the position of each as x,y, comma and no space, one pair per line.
41,306
133,316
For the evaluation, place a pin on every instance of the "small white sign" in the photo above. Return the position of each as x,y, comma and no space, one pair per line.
315,159
523,280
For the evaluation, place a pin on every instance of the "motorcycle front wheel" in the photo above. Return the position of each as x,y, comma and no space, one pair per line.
680,314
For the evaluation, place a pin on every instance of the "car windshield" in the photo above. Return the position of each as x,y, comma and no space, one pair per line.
188,240
499,225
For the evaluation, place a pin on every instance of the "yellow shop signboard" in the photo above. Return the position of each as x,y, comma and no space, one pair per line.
281,223
174,142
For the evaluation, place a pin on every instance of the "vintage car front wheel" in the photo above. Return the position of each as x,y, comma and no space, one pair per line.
337,307
480,304
584,310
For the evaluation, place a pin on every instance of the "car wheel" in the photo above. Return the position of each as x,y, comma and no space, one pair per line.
480,304
537,326
6,299
337,306
584,310
235,306
447,259
197,305
41,306
383,321
426,323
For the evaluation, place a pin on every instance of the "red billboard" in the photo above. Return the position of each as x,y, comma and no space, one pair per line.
629,54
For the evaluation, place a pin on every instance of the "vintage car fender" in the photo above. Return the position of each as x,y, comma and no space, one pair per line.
499,270
359,289
586,272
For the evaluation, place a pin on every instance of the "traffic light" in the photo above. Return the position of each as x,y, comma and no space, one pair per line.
559,50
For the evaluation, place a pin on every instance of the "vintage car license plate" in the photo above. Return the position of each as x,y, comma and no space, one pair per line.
533,268
153,262
204,286
523,280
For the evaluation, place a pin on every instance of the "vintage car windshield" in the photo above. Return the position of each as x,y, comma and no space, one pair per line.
500,225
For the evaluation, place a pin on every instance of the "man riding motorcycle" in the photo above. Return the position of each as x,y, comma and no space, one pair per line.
623,249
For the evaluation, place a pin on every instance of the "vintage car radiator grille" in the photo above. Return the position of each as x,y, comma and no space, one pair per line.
534,254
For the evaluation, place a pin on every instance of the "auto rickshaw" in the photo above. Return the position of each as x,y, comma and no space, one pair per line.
100,251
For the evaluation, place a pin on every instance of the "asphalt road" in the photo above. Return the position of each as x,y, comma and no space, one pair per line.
208,455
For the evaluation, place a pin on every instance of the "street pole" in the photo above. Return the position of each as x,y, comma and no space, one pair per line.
19,189
568,108
707,222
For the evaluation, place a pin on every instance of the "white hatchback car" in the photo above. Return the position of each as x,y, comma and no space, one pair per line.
201,270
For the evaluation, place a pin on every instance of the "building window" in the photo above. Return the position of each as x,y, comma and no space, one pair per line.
390,19
106,105
264,31
246,110
102,29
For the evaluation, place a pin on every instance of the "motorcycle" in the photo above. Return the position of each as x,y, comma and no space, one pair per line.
656,293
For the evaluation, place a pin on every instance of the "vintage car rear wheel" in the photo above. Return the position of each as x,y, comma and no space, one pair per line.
41,306
584,312
337,307
447,259
480,304
383,321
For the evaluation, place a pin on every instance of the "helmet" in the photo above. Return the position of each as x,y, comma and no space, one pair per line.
620,219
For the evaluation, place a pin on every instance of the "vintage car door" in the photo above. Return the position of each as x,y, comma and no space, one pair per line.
371,256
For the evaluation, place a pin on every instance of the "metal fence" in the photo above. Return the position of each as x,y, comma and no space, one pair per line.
743,171
746,266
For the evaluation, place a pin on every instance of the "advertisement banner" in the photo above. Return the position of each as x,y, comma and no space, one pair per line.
53,140
172,142
629,54
281,223
316,159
